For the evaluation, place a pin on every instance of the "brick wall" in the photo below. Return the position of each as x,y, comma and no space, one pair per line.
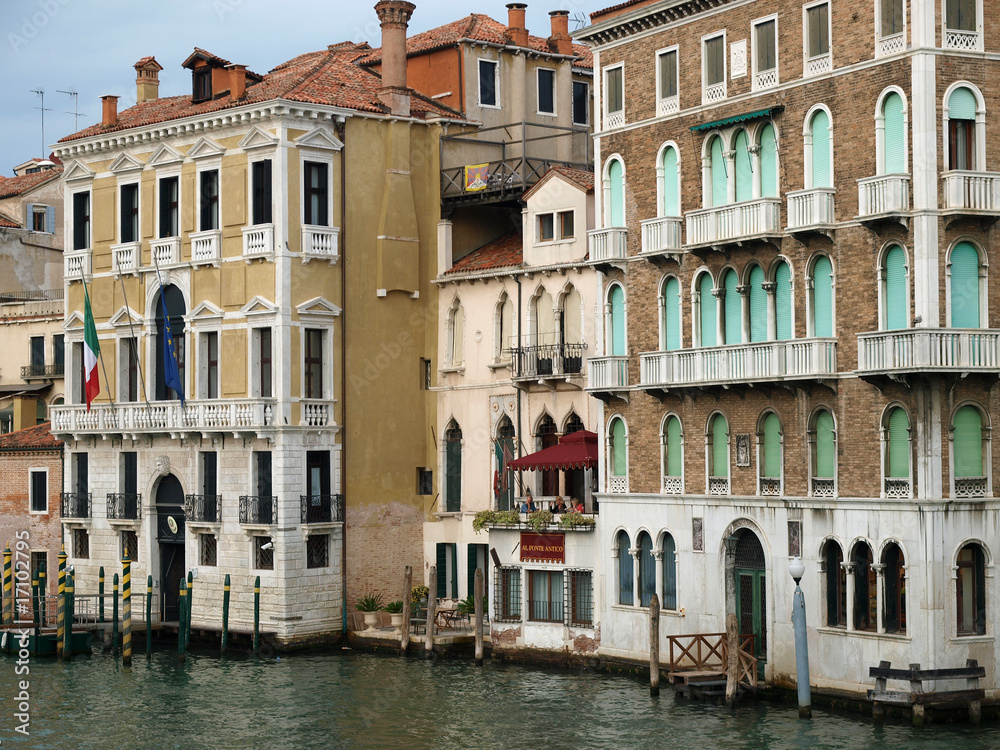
44,529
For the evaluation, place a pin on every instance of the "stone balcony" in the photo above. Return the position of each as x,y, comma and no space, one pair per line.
661,237
972,193
607,376
607,246
734,223
77,265
125,258
258,241
810,210
165,251
320,243
884,197
206,247
916,350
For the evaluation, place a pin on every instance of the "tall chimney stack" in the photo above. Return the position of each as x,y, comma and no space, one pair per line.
147,80
109,111
560,41
394,15
516,25
237,82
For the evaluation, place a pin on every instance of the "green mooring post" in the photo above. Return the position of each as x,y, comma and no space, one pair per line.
61,605
127,611
114,614
190,607
225,615
181,604
34,608
100,594
149,617
42,592
68,644
7,581
256,615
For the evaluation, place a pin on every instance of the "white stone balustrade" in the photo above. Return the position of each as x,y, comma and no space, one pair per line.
607,373
206,247
733,221
320,243
608,244
918,349
974,191
813,207
125,257
661,235
884,194
215,415
258,239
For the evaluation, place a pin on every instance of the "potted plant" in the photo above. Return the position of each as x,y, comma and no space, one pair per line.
395,610
540,519
370,604
418,597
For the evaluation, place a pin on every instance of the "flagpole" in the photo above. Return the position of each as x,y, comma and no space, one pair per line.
100,355
142,379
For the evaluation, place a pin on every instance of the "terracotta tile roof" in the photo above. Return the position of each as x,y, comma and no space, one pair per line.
7,222
144,60
480,28
504,252
615,9
331,76
16,185
31,438
579,177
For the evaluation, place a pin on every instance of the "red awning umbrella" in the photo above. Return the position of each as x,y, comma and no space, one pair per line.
578,450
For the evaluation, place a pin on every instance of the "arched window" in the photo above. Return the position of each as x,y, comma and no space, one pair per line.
503,481
570,317
970,454
672,459
505,329
769,455
823,455
894,600
970,590
670,183
966,287
768,162
453,468
176,310
719,178
836,585
865,587
547,437
893,135
614,211
821,300
575,480
617,456
456,335
718,455
544,319
647,569
707,315
820,156
744,171
733,306
669,572
625,570
783,301
616,321
670,314
963,147
896,465
894,287
758,305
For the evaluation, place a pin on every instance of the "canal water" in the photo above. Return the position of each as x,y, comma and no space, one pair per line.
355,700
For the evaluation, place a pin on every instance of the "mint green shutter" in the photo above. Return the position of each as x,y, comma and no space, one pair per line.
772,447
895,289
964,286
671,199
708,320
672,313
895,134
962,105
758,305
720,447
783,302
744,172
616,209
618,463
733,302
826,447
822,297
617,321
720,191
768,163
899,444
820,129
673,447
968,442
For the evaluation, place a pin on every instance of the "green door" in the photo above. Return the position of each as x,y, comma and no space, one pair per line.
826,446
616,205
751,605
772,447
720,447
744,172
673,462
896,314
617,321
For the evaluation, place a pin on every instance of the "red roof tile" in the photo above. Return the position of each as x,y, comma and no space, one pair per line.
16,185
7,222
31,438
504,252
580,177
615,9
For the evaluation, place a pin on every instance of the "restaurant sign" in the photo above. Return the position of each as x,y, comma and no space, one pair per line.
550,548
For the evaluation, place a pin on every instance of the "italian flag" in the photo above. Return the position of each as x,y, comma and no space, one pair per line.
91,351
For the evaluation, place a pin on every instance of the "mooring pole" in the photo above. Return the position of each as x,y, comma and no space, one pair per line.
404,639
127,611
654,645
34,608
477,592
732,625
149,617
187,631
100,594
797,569
225,615
256,615
68,645
431,615
114,614
7,581
61,604
181,604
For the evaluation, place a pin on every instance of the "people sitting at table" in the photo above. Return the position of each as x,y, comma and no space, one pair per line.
528,504
559,505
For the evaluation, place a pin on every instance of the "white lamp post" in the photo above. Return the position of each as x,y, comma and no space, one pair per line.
797,569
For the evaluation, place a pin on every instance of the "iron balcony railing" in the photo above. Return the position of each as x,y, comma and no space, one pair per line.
545,360
124,506
257,509
42,371
204,508
76,505
322,508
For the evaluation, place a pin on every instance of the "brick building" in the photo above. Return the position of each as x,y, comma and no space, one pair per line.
796,354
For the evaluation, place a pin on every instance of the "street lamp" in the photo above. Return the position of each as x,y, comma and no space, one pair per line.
797,570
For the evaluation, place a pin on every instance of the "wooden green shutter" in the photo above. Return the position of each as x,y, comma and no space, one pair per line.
962,105
899,444
617,321
895,289
453,471
472,562
720,181
895,135
619,464
758,305
733,308
768,163
616,209
720,447
669,573
453,549
625,572
822,297
744,172
772,447
442,570
826,447
820,129
672,313
964,286
783,302
968,442
673,447
707,304
671,199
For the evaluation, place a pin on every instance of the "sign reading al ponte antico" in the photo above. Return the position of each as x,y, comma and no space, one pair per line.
548,548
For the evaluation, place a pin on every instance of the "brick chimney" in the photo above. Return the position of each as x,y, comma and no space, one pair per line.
394,15
147,80
237,82
560,41
109,111
516,29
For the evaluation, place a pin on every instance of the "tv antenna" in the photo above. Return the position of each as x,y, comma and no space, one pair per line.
41,93
580,20
76,107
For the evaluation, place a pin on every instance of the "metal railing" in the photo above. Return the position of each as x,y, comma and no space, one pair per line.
124,506
547,360
40,295
203,508
87,607
257,509
930,349
42,371
76,505
322,508
734,221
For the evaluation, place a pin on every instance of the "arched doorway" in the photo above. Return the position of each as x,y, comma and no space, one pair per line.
170,536
176,310
751,592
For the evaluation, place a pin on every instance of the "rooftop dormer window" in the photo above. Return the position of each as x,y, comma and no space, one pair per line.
201,80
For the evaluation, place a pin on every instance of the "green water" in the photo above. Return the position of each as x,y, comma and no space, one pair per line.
354,700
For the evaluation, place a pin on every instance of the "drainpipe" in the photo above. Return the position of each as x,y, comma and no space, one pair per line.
343,370
517,280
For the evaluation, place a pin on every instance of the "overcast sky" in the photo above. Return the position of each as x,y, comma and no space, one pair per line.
90,46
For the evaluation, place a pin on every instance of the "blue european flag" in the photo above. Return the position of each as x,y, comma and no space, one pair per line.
171,371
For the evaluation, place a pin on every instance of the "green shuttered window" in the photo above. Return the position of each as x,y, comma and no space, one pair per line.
618,449
669,573
899,444
672,314
822,297
625,570
826,446
617,297
707,305
768,163
733,308
720,447
895,313
673,458
771,465
671,197
968,442
964,286
453,470
744,172
616,204
962,104
783,301
758,305
720,181
895,134
820,129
